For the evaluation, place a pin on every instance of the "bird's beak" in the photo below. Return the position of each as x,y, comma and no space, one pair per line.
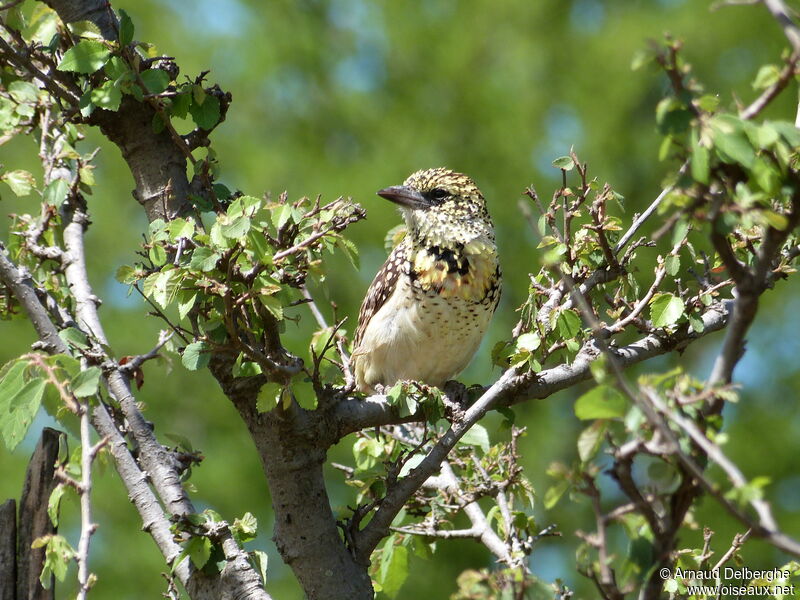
404,196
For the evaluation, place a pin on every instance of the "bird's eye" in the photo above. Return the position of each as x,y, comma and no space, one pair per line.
439,194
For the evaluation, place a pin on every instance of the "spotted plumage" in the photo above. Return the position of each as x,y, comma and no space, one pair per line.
431,302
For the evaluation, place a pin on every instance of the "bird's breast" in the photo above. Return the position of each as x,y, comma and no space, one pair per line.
467,271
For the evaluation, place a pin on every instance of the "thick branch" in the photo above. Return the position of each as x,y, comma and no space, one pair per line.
292,451
156,162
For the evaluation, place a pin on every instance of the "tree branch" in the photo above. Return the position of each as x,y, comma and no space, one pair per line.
354,414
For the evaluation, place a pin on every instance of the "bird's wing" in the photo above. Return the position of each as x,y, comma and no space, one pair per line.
380,289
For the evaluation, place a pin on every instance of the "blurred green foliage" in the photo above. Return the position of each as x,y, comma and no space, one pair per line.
343,97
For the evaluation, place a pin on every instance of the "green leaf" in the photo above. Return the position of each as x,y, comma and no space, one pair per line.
54,502
86,382
58,555
185,303
590,439
665,309
74,337
107,96
116,67
394,567
280,215
672,264
180,108
166,286
731,142
21,182
260,560
766,76
696,323
203,259
85,57
268,397
601,402
195,356
790,133
157,255
568,323
708,103
477,436
529,341
199,550
23,91
56,192
237,228
205,115
564,162
17,412
245,528
126,30
273,305
155,80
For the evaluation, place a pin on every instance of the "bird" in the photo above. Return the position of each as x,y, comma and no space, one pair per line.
430,304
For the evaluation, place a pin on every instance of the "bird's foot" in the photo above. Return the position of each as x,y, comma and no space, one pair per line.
455,399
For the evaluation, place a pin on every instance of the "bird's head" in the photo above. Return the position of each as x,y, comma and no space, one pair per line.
442,208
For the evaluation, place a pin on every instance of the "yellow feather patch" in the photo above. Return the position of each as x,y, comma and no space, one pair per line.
434,274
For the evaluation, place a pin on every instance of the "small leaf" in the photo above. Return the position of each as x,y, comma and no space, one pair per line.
155,80
731,142
564,162
601,402
21,182
568,323
590,439
126,30
86,382
54,502
273,305
260,560
394,567
268,397
203,259
245,528
56,192
199,550
665,309
23,91
74,337
237,228
195,356
672,264
16,415
205,115
697,324
87,56
477,436
280,215
107,96
157,255
766,76
529,341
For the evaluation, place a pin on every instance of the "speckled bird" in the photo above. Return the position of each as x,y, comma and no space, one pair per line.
430,304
